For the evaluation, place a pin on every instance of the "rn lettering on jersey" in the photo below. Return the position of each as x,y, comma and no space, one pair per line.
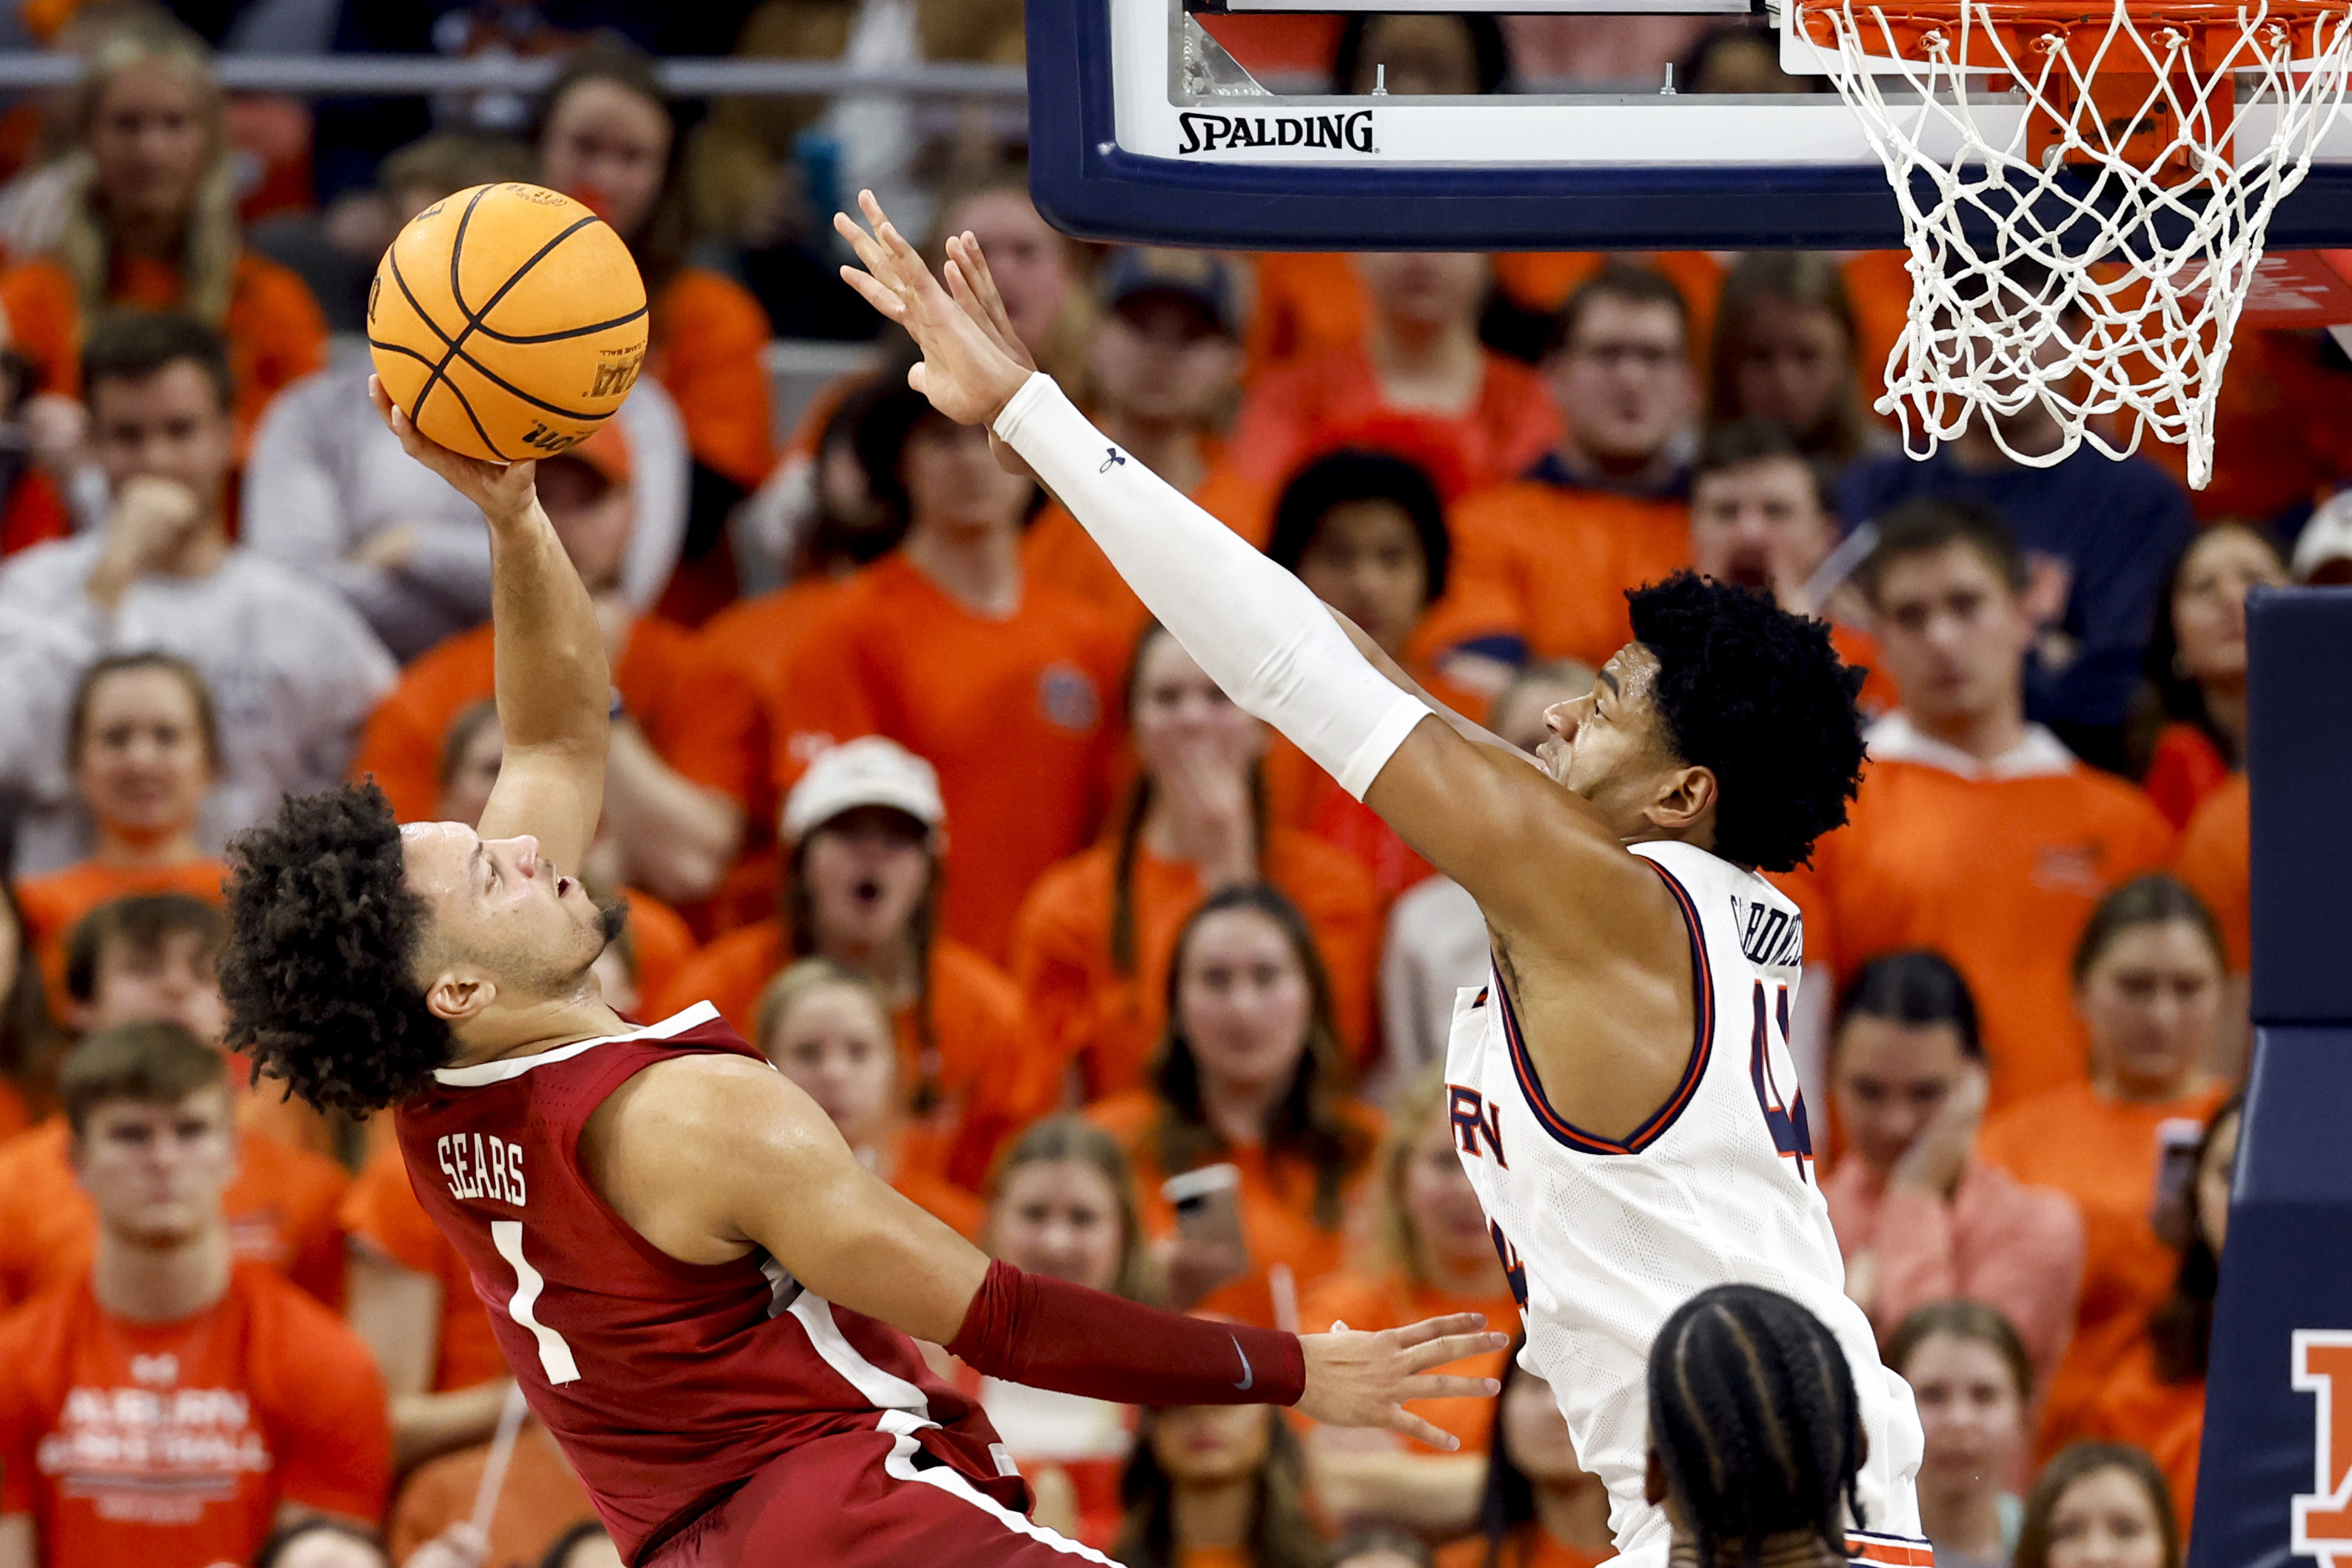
1772,939
1474,1120
479,1167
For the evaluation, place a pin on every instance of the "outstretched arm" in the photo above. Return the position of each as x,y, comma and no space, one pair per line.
707,1156
554,684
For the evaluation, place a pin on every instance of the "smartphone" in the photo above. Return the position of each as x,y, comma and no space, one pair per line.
1208,1206
2176,1177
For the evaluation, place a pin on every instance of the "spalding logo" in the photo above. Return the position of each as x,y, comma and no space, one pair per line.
1348,132
2322,1517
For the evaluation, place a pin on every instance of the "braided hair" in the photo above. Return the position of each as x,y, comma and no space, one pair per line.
1754,1420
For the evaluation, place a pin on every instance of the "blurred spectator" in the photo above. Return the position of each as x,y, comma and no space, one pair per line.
2323,551
141,959
1918,1217
152,224
1248,1074
1740,58
1428,1253
1062,1202
2148,980
1380,1546
1761,517
2197,664
1436,941
1600,53
143,750
539,1501
947,648
291,669
606,135
2098,534
1786,351
1551,556
1366,532
1163,368
1416,382
1973,1383
684,772
226,1358
1040,273
1421,53
1096,932
2156,1400
328,492
1218,1486
2216,861
1976,835
2099,1505
863,832
828,1029
1539,1508
29,1037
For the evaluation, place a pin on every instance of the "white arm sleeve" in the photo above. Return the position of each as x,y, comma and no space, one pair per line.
1252,626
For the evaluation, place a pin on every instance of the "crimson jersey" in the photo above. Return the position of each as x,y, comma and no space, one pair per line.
668,1384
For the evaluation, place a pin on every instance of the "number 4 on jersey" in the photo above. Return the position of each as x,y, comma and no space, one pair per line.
1790,1135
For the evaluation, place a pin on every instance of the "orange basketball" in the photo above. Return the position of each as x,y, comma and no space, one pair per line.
508,320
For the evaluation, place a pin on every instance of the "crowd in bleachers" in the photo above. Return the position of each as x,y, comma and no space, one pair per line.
976,854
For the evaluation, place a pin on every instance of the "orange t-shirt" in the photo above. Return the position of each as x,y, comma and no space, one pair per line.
1999,875
958,1208
281,1212
52,903
15,1112
540,1500
2216,860
709,337
1549,564
1109,1024
2105,1155
172,1445
2185,768
1389,1300
275,332
1301,411
1057,549
696,709
1529,1546
2167,1419
1016,714
1276,1201
993,1074
382,1210
760,636
662,939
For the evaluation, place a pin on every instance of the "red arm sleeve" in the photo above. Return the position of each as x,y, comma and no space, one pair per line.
1049,1333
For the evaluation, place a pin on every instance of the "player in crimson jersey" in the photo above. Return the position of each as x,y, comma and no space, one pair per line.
704,1295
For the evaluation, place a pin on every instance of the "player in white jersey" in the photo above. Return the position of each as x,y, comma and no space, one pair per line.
1626,1090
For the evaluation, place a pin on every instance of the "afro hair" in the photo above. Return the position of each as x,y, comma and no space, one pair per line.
319,974
1760,698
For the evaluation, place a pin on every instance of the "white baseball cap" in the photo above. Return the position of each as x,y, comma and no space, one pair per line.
2327,537
868,771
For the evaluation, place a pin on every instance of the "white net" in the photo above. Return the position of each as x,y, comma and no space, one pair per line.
2083,230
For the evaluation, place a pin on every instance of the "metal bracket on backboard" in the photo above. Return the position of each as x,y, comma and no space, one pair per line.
1204,68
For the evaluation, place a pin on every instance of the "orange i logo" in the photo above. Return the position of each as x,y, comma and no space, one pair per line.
2323,1516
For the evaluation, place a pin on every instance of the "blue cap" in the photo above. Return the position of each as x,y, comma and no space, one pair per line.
1204,276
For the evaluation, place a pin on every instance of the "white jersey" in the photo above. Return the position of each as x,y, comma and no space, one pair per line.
1603,1240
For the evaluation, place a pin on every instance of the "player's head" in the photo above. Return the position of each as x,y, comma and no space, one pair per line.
1760,509
1728,722
1754,1432
153,1138
1947,589
150,955
160,395
360,951
1906,1038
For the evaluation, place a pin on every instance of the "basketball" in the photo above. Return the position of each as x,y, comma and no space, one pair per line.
507,321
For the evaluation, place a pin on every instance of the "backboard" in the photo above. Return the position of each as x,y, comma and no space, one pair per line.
1144,129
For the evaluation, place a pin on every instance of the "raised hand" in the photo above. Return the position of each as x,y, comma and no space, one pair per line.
974,288
503,491
1357,1379
966,372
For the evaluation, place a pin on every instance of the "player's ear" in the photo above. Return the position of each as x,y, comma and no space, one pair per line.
1686,796
457,995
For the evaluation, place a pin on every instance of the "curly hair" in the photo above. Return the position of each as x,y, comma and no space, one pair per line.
319,972
1758,697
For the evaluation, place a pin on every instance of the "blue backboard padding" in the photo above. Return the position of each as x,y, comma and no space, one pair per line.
2288,1266
1086,185
2299,642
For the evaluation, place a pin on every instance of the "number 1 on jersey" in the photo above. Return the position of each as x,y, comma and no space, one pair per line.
1791,1134
554,1355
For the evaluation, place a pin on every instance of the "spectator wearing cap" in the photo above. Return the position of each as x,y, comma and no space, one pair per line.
1416,382
1552,551
291,669
2323,551
329,494
865,832
684,773
1163,362
1918,1216
950,648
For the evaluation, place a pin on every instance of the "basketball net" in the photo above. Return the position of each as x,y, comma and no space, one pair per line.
2082,232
